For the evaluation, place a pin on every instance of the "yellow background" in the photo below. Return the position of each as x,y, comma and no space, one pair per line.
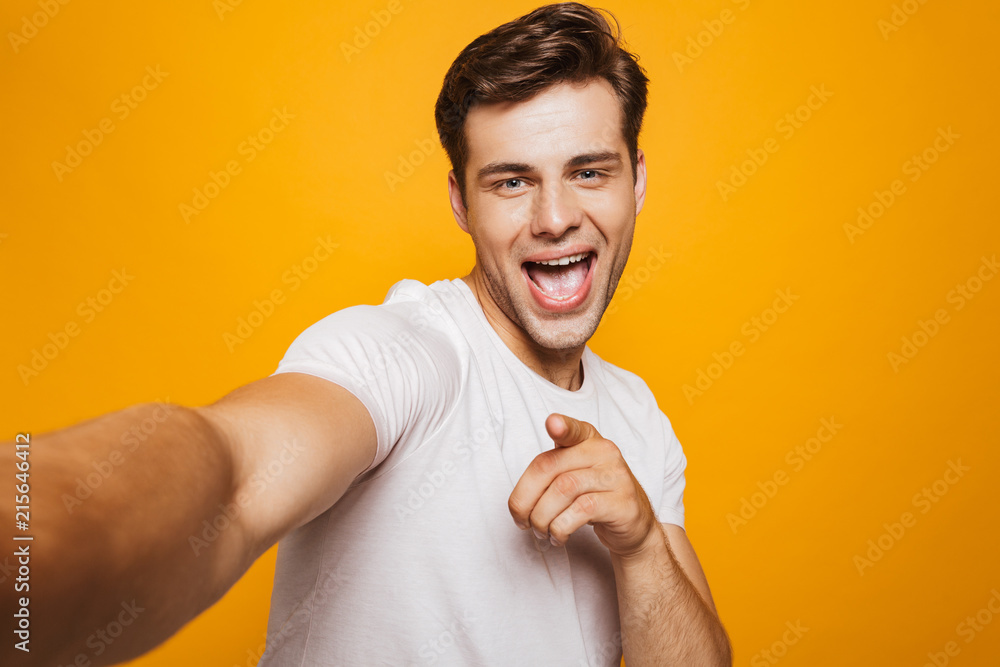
357,118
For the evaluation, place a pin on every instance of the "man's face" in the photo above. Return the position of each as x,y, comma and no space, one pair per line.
550,178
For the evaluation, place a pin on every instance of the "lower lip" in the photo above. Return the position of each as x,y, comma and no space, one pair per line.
562,305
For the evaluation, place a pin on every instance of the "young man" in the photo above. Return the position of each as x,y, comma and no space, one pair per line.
454,476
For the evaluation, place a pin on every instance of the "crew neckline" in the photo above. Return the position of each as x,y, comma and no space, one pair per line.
587,385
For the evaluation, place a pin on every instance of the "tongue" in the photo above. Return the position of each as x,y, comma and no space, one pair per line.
558,282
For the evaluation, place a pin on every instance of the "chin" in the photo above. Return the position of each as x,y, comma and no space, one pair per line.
564,333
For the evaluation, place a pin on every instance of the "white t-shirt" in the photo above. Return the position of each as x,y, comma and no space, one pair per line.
420,562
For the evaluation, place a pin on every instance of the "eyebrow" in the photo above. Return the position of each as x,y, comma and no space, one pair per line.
494,168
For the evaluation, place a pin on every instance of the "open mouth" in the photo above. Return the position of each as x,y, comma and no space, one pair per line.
561,284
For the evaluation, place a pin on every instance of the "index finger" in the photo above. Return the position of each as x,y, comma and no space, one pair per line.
566,431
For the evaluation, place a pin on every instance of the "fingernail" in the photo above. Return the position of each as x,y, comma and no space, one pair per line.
554,541
537,534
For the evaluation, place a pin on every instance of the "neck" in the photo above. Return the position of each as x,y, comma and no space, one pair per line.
560,367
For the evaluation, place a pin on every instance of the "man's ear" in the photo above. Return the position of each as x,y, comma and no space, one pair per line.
457,206
640,180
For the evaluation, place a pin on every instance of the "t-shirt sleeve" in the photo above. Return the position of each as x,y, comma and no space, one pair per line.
671,508
406,376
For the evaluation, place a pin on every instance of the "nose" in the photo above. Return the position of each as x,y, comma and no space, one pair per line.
555,209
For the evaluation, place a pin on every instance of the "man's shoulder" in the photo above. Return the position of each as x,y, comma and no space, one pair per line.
409,322
410,309
405,338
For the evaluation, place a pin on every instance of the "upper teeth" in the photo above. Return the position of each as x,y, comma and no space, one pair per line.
562,261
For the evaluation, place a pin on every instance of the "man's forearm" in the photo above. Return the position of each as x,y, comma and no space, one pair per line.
664,621
113,503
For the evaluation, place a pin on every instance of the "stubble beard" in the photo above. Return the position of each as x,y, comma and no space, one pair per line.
555,334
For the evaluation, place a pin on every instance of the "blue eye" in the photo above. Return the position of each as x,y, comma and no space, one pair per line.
509,181
589,171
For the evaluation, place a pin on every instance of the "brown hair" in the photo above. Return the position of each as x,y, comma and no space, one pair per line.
563,42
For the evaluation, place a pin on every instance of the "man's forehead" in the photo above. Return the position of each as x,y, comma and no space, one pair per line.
566,119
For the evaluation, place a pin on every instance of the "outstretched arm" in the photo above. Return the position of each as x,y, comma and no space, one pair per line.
145,517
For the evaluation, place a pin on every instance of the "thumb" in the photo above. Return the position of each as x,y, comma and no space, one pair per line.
566,431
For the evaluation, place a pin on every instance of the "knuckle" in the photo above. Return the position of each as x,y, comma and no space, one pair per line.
567,484
546,462
608,478
609,448
586,504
